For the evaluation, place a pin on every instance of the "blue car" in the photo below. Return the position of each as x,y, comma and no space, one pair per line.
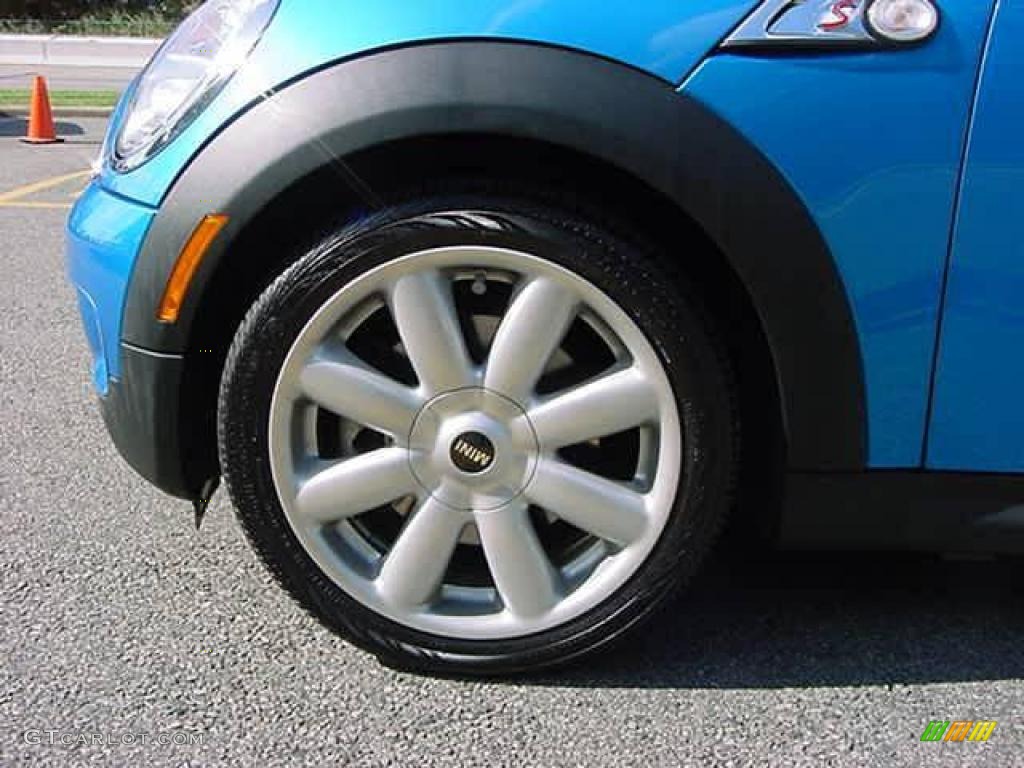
491,315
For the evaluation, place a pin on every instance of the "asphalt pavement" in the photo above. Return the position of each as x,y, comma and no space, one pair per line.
123,627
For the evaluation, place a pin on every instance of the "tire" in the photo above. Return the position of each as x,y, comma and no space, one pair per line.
511,544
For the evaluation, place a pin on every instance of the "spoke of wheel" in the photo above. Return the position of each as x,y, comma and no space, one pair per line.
341,383
605,406
524,576
602,507
415,567
355,485
424,312
531,331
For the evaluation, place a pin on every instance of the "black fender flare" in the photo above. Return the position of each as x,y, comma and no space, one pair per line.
622,116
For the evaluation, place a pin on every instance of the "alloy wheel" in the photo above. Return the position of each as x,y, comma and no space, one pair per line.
475,442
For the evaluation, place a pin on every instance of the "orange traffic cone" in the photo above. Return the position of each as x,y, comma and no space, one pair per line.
40,118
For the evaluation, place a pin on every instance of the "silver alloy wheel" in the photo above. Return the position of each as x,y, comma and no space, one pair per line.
472,453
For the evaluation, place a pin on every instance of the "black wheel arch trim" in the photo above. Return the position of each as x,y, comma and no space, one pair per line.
609,111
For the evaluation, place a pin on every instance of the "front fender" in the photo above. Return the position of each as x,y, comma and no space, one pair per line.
623,117
664,38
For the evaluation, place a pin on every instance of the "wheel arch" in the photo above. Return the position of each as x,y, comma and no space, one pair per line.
339,142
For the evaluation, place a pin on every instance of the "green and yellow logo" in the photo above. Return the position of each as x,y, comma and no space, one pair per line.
958,730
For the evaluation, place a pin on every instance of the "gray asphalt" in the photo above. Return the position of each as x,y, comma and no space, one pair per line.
120,620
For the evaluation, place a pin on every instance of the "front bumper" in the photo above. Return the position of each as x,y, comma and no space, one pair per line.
143,413
104,237
140,391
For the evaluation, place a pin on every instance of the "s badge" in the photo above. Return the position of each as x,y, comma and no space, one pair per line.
828,23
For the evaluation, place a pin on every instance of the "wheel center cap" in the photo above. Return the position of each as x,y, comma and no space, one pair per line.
472,449
472,452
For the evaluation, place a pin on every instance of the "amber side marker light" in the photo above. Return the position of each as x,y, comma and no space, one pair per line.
185,267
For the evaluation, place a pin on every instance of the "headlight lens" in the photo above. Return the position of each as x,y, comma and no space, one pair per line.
188,71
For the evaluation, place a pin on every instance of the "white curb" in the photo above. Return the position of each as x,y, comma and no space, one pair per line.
70,51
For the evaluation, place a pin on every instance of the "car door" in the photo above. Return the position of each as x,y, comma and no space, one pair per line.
977,421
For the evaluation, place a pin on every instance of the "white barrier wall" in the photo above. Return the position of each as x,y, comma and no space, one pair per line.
67,51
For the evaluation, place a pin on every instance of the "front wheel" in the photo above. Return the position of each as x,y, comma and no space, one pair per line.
478,439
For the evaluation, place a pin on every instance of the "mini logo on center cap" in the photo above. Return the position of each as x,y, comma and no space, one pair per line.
472,452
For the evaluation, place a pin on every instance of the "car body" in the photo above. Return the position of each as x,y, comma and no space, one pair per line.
843,197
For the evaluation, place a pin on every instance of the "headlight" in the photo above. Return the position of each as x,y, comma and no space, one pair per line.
188,71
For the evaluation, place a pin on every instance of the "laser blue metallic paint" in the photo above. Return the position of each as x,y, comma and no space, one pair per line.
978,412
104,236
664,37
872,142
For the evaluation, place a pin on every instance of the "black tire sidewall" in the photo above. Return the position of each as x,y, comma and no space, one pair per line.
641,283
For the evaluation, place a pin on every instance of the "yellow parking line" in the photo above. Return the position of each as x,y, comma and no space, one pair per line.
33,204
39,186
